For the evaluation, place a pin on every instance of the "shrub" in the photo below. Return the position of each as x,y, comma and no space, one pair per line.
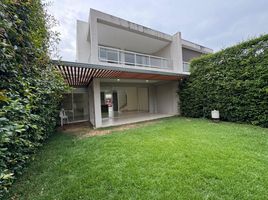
234,81
30,89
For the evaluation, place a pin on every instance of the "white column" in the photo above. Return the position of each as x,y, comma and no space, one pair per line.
91,104
175,97
97,102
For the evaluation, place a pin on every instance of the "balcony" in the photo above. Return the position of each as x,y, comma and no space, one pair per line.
186,67
117,56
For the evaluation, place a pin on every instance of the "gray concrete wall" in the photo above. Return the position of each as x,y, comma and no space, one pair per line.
176,53
164,52
82,44
188,55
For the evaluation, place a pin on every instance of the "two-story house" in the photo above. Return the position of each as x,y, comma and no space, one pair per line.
125,72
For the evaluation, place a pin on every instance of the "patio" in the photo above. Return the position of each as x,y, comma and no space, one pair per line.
131,117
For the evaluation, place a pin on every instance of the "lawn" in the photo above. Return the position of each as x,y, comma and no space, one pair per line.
175,158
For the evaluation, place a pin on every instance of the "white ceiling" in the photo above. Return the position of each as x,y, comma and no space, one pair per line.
127,40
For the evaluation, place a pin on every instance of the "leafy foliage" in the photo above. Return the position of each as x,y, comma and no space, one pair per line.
234,81
30,89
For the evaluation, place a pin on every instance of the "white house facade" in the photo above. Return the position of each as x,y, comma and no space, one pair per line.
125,72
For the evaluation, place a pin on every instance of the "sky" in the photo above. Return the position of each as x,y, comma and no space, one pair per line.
216,24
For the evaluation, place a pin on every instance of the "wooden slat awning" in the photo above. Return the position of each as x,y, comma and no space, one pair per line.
80,74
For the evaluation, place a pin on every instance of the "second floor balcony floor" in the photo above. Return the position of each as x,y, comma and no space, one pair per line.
122,57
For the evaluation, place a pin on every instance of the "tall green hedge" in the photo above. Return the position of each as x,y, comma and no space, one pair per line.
234,81
30,89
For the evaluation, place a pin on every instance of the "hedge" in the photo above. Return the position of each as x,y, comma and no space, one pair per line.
233,81
30,89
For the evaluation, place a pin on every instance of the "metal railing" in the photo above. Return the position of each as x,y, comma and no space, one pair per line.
186,67
117,56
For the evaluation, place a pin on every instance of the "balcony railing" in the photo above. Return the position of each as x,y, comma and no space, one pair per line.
117,56
186,67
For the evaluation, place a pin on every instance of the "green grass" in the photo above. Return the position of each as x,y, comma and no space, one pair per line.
176,158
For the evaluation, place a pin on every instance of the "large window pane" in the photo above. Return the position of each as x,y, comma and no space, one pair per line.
67,102
80,105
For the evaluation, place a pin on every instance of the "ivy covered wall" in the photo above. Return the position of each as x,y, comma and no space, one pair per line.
234,81
30,89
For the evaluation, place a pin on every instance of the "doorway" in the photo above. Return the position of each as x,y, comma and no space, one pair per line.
109,103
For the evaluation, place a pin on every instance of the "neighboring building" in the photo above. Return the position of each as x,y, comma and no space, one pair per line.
125,72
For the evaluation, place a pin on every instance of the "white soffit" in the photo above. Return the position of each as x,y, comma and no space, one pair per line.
128,40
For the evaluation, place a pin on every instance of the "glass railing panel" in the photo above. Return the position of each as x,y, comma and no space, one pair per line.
155,62
102,54
129,58
186,67
142,60
111,55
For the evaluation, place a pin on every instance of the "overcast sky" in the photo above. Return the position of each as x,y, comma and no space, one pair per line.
213,23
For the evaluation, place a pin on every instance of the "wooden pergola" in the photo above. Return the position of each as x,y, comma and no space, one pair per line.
81,74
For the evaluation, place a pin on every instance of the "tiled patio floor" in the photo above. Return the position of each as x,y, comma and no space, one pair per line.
131,117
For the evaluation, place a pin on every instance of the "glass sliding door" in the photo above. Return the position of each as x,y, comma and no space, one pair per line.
80,106
75,105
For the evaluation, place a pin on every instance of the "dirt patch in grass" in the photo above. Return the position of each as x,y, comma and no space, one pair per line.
85,129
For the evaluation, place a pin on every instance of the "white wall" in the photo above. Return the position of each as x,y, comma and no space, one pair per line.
167,98
82,45
152,99
122,99
143,104
132,103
